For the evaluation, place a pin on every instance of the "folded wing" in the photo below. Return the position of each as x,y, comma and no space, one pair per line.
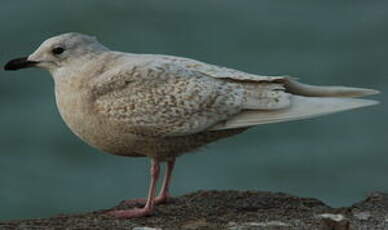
172,96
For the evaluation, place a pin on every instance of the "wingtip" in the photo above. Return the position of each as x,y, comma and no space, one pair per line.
373,102
372,92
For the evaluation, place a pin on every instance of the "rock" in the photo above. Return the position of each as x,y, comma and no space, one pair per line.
334,222
362,215
230,210
145,228
271,225
195,224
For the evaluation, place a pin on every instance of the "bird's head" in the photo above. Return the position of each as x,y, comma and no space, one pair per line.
59,51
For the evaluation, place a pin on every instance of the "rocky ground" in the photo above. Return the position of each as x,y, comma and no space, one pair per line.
233,210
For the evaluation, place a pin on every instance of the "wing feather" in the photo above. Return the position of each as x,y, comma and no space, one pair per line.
162,98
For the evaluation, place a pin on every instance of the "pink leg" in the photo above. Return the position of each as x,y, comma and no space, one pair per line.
150,204
164,192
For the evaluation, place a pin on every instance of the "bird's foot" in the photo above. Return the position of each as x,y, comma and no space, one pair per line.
161,199
131,213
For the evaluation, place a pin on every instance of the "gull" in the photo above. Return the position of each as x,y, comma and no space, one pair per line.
160,106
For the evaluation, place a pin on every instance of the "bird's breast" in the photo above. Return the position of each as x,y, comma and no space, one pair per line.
76,107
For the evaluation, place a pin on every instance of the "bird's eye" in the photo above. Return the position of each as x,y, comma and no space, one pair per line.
58,50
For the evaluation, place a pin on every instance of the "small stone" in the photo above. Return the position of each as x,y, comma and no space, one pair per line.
334,217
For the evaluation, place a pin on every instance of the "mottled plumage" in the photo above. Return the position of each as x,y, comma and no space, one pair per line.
162,106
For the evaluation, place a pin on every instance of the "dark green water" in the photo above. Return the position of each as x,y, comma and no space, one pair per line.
45,169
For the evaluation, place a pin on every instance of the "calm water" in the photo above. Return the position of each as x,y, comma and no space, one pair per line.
45,169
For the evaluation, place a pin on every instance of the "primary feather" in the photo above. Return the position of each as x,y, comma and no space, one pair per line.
302,108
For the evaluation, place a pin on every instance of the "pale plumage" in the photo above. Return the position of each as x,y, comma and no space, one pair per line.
160,96
163,106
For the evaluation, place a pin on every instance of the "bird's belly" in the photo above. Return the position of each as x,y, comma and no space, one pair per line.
115,137
166,148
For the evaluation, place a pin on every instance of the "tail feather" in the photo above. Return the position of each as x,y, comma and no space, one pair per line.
301,108
298,88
